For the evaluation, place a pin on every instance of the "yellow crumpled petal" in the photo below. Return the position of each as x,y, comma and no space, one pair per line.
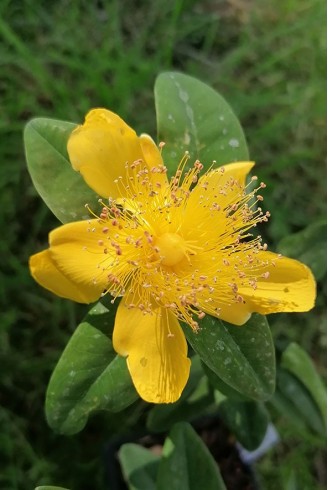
289,287
78,250
282,285
156,351
77,253
101,148
45,272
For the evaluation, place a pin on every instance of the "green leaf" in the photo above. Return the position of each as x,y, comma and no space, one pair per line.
50,487
62,188
195,398
297,361
294,401
291,480
287,409
248,421
243,357
186,463
193,117
222,387
89,376
308,246
139,467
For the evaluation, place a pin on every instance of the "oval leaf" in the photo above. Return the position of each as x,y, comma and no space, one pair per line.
89,376
222,387
62,188
139,467
193,117
295,402
243,357
297,361
248,421
50,487
187,464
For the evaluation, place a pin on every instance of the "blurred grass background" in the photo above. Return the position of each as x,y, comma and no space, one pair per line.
58,59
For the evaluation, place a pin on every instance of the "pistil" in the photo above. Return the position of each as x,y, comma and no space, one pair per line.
171,249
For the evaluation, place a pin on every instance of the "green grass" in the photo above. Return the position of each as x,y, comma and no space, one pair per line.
58,59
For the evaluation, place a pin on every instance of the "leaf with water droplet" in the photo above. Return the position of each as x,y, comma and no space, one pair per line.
247,361
62,188
101,379
193,117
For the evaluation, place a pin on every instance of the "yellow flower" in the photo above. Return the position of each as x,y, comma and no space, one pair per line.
174,250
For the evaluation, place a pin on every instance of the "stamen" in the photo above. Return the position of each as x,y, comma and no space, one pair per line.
182,246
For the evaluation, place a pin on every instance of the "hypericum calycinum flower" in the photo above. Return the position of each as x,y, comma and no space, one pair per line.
174,250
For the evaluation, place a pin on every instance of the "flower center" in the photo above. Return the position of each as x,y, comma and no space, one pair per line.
171,248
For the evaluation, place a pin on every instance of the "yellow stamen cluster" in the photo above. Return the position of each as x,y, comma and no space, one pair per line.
184,246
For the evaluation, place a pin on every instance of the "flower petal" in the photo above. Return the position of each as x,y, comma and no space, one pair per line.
214,191
157,352
78,250
221,177
100,149
237,170
150,151
290,286
153,159
45,272
219,276
234,312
